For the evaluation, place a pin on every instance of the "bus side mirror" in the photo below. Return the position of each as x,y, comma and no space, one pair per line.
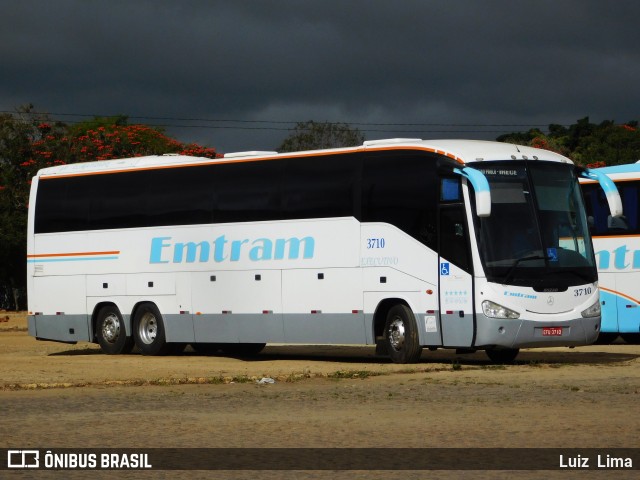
480,186
610,190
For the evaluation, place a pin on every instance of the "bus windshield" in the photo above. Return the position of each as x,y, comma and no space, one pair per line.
537,234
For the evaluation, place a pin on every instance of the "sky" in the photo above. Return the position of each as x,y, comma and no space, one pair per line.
238,75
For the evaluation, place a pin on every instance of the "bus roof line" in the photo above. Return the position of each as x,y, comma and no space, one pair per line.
134,168
479,149
247,159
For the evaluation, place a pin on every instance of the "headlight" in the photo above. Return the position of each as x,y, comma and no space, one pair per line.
592,311
493,310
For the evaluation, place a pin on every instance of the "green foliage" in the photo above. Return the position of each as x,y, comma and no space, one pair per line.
97,122
314,136
30,142
586,143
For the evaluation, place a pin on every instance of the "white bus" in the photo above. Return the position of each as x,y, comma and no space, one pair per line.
617,248
400,243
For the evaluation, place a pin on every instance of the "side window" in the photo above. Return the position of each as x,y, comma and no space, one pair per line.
320,187
117,201
596,207
629,222
600,220
246,192
402,190
61,205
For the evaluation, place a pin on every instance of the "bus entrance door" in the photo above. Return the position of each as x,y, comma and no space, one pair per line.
456,306
456,281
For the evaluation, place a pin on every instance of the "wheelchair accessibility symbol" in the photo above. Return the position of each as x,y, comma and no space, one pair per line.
444,268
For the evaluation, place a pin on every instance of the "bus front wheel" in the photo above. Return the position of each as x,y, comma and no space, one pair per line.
401,335
111,332
148,331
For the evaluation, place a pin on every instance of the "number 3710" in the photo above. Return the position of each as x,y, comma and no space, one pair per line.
578,292
375,243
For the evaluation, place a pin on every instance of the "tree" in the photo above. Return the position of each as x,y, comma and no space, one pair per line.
17,133
314,136
609,143
586,143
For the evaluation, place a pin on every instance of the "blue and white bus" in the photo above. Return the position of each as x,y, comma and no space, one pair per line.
617,248
405,244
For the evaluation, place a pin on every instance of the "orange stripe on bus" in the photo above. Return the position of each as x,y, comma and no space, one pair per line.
620,294
614,236
74,254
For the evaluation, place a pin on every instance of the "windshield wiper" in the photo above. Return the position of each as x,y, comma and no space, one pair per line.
512,268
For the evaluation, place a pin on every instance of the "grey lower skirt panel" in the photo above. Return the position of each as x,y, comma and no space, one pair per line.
331,328
62,328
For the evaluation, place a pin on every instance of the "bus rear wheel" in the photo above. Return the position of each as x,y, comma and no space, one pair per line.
111,332
401,335
148,331
502,355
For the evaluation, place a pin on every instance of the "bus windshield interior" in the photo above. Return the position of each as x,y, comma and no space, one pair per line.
537,234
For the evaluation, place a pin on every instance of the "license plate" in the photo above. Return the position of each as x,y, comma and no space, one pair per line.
551,331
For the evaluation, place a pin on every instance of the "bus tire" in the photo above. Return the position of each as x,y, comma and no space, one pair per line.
111,332
401,335
148,331
502,355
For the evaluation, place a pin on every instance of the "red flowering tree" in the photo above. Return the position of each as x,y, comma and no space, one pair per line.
102,139
547,143
596,165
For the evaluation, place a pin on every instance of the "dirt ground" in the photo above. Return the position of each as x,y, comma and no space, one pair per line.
54,395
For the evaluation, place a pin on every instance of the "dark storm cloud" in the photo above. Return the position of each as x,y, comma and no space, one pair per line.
431,62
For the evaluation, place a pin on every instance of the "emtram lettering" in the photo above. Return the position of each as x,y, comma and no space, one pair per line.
163,250
618,258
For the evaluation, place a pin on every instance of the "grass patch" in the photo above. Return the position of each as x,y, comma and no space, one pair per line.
295,377
351,374
493,367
